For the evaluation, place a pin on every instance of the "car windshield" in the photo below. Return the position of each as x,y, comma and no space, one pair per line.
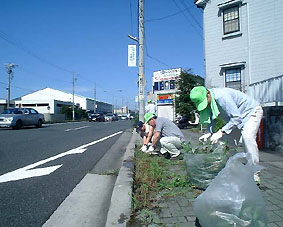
13,111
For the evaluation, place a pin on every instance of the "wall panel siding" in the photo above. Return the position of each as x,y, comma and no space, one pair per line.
260,44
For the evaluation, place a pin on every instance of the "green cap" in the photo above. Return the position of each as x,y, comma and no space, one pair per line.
198,96
148,116
149,101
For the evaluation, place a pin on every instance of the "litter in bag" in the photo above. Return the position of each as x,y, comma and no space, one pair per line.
233,198
204,162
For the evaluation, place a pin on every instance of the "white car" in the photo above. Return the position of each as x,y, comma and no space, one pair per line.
124,117
109,117
16,118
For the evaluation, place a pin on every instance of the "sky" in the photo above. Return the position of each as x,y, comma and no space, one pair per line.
53,40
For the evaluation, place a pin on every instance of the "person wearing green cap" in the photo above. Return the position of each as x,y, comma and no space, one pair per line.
167,133
239,111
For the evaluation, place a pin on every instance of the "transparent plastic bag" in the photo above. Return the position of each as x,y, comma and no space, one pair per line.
233,198
202,168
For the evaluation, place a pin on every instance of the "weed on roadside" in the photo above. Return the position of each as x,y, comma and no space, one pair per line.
155,178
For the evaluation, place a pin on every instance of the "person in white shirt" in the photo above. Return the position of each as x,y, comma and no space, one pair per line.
146,133
238,109
150,107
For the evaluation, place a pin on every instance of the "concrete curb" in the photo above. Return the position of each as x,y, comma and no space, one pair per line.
121,201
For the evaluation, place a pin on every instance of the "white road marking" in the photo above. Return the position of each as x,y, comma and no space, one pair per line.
71,129
29,171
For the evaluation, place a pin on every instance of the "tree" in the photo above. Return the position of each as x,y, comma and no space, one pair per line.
188,80
68,111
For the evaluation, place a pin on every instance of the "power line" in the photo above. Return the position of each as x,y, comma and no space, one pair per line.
165,17
188,10
195,28
29,72
147,53
13,42
197,10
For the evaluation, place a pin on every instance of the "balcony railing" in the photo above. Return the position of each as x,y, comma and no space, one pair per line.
268,92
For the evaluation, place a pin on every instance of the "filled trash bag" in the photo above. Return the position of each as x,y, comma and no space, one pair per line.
204,162
233,198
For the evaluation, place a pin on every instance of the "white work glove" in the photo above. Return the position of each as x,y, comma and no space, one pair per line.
216,136
150,149
143,148
204,137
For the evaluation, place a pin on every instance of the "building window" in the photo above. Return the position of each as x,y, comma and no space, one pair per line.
172,84
155,87
231,20
42,104
161,85
233,78
166,85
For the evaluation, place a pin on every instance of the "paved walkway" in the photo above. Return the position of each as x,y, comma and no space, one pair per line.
178,210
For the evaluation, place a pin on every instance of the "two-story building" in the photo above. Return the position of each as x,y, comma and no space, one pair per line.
243,43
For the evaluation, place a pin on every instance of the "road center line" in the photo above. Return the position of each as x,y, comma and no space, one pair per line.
71,129
30,171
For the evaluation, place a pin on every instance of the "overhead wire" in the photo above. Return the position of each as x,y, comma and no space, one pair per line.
193,26
13,42
193,5
165,17
193,17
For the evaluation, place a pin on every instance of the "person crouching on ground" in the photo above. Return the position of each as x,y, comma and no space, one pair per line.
240,110
167,133
146,133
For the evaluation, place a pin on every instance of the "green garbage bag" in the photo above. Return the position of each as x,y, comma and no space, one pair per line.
205,161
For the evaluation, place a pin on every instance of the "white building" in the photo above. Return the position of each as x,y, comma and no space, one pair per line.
49,101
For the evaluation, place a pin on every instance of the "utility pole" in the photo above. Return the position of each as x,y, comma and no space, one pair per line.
9,68
74,79
94,109
141,80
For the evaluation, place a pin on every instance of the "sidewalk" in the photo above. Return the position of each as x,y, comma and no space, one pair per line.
178,210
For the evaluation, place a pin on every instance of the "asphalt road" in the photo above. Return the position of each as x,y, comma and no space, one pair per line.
31,201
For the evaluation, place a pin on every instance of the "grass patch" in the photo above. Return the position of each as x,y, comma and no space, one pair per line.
157,177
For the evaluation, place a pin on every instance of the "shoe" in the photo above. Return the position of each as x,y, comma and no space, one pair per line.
257,179
167,155
175,155
179,157
143,148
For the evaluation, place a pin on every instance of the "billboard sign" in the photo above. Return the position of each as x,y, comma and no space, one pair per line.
165,99
166,75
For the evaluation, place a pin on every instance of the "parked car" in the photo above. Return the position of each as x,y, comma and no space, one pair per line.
131,116
16,118
96,117
115,117
124,117
109,117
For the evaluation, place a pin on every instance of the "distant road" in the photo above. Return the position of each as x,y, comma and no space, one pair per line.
40,167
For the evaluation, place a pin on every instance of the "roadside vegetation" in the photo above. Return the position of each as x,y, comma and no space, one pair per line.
155,179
